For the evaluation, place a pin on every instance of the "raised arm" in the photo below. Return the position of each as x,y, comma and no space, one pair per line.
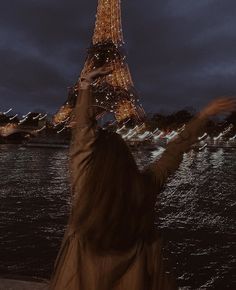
84,128
173,155
83,134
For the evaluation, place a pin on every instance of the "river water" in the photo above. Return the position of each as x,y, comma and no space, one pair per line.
196,213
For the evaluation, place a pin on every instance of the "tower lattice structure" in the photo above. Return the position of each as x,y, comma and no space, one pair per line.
115,92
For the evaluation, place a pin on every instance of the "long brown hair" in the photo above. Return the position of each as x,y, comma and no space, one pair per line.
114,207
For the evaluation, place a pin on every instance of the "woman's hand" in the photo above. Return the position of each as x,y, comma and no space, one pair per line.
90,77
99,72
219,106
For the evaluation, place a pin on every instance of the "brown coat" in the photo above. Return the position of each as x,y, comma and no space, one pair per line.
142,266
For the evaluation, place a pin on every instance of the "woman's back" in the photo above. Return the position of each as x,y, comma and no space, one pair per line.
115,207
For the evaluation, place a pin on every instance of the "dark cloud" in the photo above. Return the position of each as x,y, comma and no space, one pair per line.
181,52
186,54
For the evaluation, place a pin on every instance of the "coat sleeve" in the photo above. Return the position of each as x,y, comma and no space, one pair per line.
170,160
83,137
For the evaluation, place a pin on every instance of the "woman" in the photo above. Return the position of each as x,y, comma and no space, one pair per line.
110,241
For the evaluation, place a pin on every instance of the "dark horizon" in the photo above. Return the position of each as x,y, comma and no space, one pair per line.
181,53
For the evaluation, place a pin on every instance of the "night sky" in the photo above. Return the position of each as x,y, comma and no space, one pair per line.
181,53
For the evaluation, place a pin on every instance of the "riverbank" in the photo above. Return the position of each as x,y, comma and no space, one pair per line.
15,284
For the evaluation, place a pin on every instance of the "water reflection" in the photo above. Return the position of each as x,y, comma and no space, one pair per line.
196,213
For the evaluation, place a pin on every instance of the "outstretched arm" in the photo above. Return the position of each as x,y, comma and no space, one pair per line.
173,155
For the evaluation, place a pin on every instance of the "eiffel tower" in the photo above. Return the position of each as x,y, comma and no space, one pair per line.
116,92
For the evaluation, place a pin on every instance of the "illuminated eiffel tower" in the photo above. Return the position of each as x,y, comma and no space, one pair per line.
115,92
